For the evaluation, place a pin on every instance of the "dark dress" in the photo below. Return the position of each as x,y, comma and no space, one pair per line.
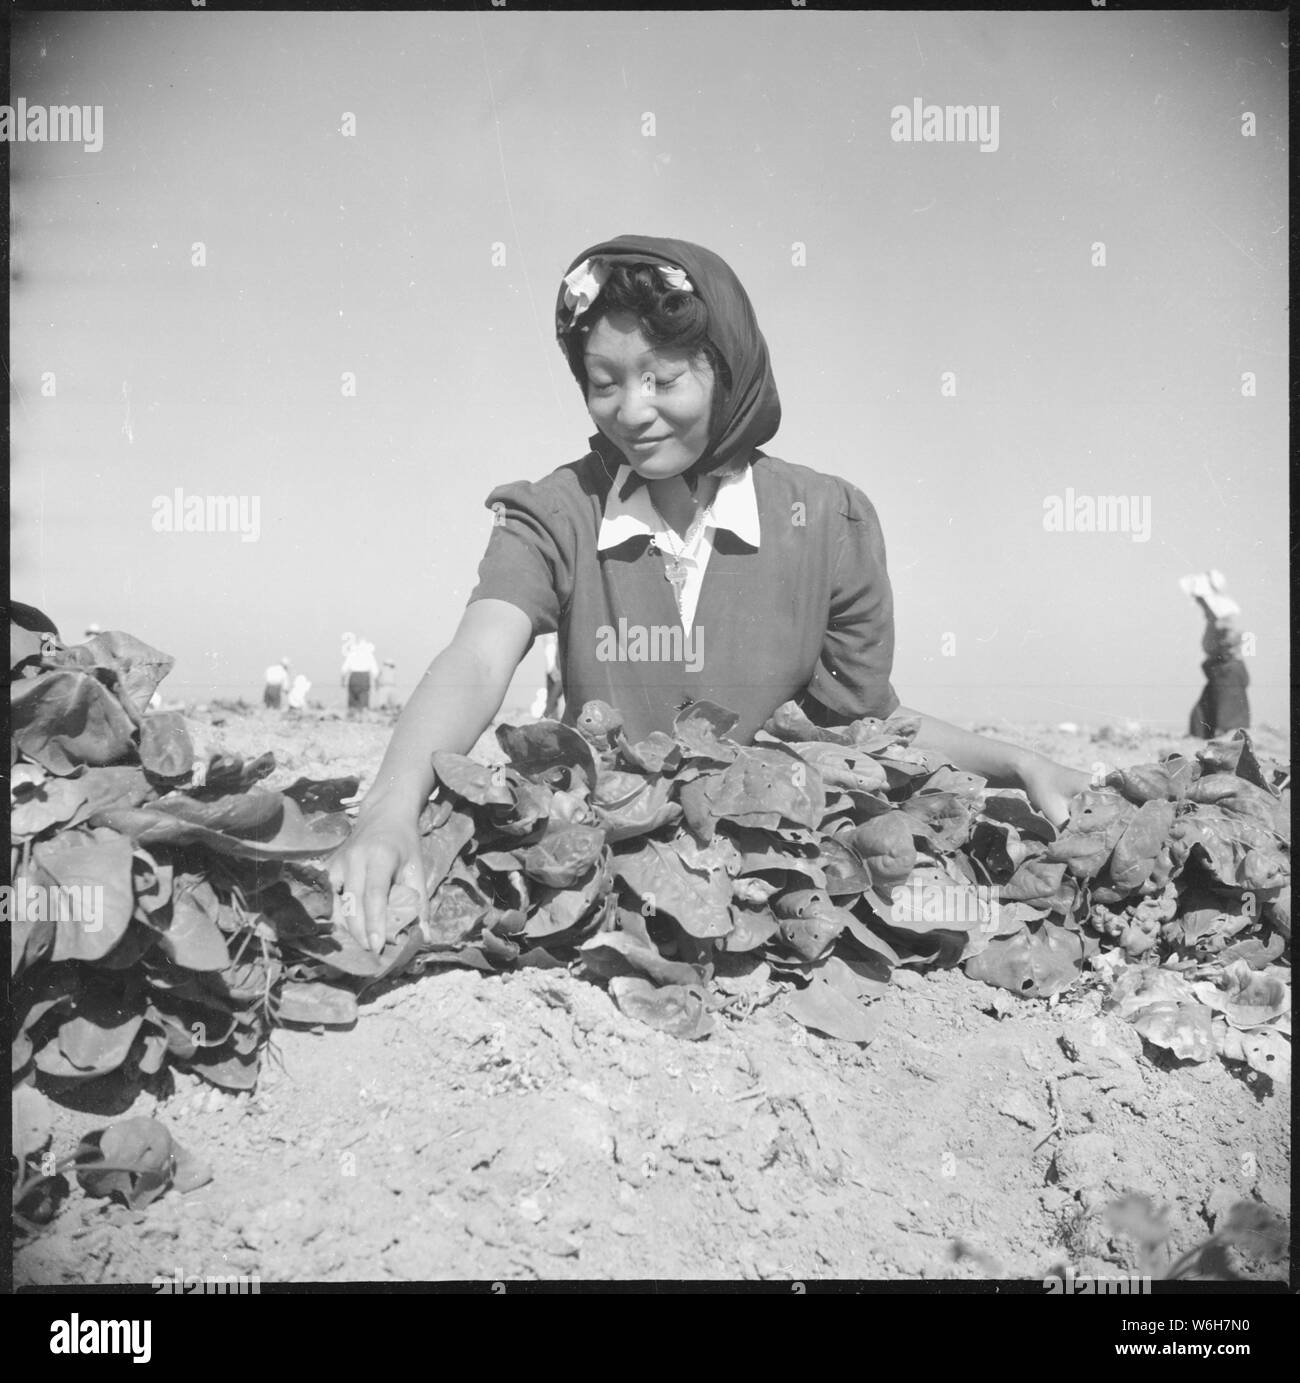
1222,706
808,615
358,691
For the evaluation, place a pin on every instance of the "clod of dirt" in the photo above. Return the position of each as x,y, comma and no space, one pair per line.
1018,1106
1086,1160
1102,1049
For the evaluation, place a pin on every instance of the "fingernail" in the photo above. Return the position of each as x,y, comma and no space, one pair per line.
376,942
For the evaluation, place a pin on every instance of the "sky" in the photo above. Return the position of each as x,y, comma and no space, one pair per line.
420,255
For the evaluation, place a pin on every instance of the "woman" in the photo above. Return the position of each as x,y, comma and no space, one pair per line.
1223,705
298,694
385,686
612,553
277,679
359,667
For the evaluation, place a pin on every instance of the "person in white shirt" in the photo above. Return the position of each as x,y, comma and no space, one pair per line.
298,693
385,698
277,679
359,668
546,704
1223,706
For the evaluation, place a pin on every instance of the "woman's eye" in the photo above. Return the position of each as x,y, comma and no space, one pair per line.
602,386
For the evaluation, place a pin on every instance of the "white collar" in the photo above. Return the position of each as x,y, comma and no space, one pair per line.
734,507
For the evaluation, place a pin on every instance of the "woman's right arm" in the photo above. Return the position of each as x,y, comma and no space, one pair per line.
454,703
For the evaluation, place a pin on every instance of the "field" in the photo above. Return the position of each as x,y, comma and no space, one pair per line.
521,1126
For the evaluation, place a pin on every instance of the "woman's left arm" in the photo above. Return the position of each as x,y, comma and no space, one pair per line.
1048,785
852,675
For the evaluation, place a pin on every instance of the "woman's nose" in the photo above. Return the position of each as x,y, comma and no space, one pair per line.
637,402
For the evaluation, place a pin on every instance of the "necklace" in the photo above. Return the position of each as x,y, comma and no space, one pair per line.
674,564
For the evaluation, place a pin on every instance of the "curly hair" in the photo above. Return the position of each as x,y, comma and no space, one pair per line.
669,318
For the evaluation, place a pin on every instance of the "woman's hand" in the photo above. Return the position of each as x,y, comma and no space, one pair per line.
1049,786
383,850
449,709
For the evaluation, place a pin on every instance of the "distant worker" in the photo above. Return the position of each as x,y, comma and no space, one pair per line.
1223,705
277,679
385,697
298,693
359,670
547,703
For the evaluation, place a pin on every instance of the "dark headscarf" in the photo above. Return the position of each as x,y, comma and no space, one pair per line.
753,409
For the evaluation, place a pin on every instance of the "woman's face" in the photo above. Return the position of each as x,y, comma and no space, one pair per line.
653,404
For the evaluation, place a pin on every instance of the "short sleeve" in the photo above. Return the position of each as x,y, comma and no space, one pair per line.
528,562
852,677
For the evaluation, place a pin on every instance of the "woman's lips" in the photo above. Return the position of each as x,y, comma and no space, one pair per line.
644,443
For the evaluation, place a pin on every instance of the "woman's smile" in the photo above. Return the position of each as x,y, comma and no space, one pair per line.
653,404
